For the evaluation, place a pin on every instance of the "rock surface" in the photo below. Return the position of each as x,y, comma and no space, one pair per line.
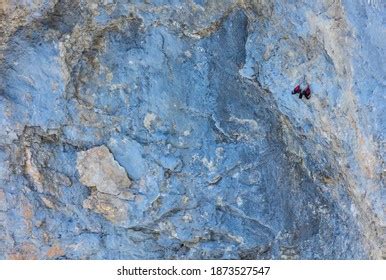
167,129
97,168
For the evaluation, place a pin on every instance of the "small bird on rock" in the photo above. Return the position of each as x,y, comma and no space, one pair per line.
297,89
306,92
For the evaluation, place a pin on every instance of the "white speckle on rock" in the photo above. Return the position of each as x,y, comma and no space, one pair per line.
239,201
149,120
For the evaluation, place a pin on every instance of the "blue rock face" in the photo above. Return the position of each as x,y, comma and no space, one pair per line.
168,130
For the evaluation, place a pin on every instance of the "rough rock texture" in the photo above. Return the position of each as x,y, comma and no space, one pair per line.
166,129
97,168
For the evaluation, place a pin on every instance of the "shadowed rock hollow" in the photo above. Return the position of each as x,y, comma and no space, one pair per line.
166,129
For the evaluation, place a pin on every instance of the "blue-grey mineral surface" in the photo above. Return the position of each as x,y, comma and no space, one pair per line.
166,129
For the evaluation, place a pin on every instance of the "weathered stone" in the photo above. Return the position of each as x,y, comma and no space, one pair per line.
129,153
111,207
55,251
200,149
26,251
32,171
97,168
3,201
149,121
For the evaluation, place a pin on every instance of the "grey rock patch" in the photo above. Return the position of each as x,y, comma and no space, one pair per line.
3,201
97,168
